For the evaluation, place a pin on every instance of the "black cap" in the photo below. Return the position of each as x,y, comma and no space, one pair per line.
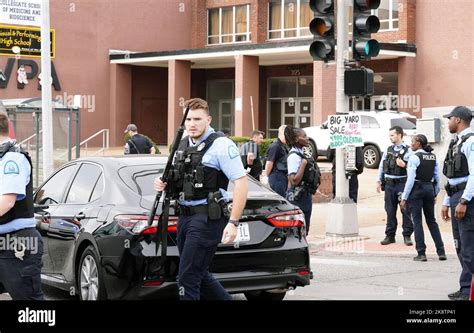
131,127
461,112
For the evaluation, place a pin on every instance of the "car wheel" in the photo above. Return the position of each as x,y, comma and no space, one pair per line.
90,279
371,157
265,295
312,150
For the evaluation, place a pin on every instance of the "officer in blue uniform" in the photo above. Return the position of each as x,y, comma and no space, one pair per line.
391,178
459,169
420,193
276,167
21,246
204,163
303,173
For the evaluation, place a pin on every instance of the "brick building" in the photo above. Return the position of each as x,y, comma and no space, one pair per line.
249,58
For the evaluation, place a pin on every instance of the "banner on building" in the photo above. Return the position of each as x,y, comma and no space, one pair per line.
345,130
21,12
28,40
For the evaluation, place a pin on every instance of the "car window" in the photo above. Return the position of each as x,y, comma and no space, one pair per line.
365,122
52,191
98,189
83,184
373,123
405,123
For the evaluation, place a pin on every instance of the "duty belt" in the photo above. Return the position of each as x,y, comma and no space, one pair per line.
192,210
394,181
451,189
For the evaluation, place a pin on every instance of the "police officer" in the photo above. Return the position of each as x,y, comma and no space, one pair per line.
420,193
276,167
138,144
205,162
459,169
250,153
21,246
391,178
303,173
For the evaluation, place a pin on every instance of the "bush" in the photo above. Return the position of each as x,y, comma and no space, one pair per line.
128,137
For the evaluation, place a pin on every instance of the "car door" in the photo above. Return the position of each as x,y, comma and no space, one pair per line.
72,217
46,200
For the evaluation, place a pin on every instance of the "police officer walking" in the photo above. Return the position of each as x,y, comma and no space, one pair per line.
276,167
303,173
21,245
138,144
459,169
420,193
391,178
204,163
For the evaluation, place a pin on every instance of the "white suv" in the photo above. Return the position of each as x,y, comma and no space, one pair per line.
375,129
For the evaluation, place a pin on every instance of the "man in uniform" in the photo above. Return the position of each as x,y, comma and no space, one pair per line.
391,178
250,153
276,168
204,163
459,169
138,144
21,246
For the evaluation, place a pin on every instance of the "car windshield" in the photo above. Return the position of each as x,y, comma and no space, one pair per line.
405,123
140,179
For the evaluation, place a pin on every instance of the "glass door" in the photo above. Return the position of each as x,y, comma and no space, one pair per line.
226,119
304,111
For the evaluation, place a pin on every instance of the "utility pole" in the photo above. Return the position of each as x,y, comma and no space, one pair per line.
343,210
46,96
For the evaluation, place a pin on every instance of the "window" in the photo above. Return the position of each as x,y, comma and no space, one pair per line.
229,25
83,184
289,19
98,189
388,15
369,122
52,192
405,123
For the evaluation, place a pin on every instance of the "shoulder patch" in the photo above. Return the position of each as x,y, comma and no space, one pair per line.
11,168
233,151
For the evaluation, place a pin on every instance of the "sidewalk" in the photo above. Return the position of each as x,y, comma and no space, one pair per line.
372,219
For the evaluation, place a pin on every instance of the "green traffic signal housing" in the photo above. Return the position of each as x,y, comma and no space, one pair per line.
363,25
322,27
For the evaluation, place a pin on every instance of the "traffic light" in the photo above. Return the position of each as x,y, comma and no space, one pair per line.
364,24
359,82
322,27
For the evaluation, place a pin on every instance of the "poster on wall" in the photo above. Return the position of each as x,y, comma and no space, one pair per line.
21,12
27,40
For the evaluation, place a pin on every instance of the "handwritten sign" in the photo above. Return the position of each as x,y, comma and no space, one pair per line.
345,130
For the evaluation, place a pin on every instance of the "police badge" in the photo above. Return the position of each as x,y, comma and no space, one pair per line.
201,146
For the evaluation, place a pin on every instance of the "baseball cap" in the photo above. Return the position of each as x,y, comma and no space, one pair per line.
460,112
131,127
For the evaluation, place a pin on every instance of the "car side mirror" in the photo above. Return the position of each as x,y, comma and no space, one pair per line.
324,126
37,208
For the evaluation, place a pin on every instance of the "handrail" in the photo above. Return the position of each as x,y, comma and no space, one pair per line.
105,142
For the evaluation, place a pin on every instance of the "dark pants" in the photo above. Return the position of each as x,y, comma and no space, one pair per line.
391,205
198,238
305,203
422,199
353,187
22,278
463,233
278,181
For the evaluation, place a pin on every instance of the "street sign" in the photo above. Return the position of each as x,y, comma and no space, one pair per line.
27,39
21,12
345,130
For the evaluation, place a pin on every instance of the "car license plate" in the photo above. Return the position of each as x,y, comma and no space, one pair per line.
243,234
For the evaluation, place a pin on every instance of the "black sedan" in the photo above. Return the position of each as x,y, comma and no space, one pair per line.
92,214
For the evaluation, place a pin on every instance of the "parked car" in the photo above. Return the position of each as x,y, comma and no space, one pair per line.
375,129
92,214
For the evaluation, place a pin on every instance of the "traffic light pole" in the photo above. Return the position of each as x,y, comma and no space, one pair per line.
342,208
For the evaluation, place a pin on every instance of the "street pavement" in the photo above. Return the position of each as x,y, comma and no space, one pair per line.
359,268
